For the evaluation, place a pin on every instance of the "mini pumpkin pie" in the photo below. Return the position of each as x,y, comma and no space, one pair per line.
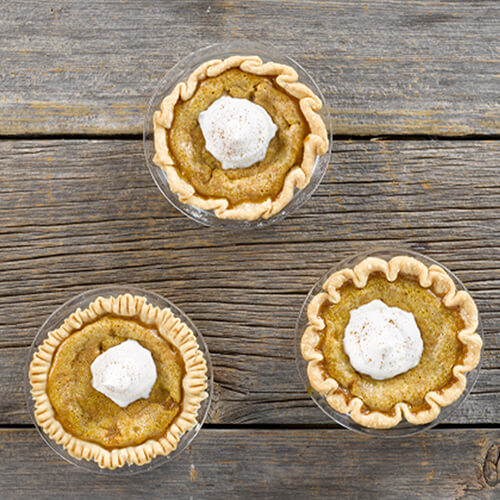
239,136
119,382
387,340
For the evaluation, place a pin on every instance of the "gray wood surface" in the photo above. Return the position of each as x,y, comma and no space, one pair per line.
386,67
91,215
78,210
247,464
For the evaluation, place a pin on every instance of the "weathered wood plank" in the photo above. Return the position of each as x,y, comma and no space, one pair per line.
273,464
394,67
79,214
252,389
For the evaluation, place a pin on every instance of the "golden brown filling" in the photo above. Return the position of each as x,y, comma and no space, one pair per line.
89,415
257,182
438,326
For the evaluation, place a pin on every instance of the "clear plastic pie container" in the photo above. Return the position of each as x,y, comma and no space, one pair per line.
82,301
180,72
404,428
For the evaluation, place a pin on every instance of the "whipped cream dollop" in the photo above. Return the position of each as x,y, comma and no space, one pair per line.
237,131
124,373
382,341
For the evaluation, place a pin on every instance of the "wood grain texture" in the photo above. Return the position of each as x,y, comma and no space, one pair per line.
385,67
79,214
271,464
251,391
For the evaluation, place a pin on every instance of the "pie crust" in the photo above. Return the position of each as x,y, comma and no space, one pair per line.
433,278
169,327
315,144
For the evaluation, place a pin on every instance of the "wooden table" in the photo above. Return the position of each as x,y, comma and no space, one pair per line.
414,90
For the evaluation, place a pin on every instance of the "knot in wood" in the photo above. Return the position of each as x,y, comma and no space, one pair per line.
491,467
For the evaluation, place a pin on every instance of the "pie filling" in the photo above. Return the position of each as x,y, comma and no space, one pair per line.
88,414
438,326
255,183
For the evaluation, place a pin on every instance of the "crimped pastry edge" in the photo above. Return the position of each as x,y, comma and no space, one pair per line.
172,329
433,276
315,144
